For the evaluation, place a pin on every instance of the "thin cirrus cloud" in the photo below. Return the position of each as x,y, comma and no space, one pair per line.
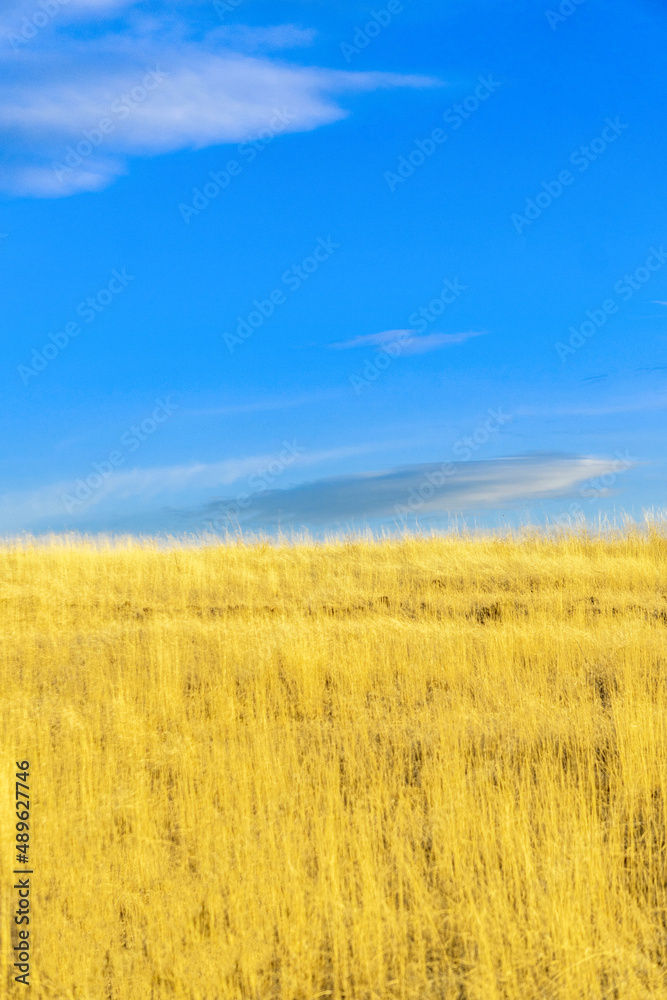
128,489
22,509
223,88
409,341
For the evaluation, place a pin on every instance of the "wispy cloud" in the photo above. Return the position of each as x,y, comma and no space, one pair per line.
128,488
411,342
55,95
25,506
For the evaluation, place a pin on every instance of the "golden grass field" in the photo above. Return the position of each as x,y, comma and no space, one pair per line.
417,768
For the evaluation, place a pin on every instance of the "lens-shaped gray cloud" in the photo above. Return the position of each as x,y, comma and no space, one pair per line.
431,490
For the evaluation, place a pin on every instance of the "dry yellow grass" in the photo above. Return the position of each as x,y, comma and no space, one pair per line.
419,768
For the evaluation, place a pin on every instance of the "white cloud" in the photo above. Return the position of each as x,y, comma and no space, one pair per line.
139,486
409,341
125,484
158,92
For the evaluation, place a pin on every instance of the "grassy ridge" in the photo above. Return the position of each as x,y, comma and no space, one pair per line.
420,768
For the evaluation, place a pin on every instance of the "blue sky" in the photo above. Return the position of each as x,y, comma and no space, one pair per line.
331,265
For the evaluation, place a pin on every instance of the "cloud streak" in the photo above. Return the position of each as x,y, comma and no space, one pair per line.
129,488
409,340
209,92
